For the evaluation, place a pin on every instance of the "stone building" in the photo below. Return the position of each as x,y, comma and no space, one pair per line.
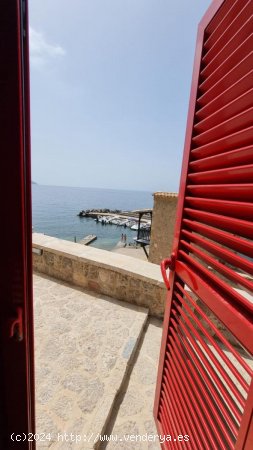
163,223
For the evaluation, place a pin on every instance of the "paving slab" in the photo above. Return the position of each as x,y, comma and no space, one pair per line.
84,345
134,408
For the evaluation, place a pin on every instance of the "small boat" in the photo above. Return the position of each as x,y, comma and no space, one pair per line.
136,226
130,223
115,220
111,218
123,222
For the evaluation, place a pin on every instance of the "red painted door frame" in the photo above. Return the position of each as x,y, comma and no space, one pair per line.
16,307
245,435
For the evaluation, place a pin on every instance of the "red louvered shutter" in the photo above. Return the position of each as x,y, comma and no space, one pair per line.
204,387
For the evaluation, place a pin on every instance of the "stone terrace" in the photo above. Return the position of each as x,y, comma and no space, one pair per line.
96,364
118,276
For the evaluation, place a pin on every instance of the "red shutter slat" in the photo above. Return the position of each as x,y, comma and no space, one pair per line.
230,142
226,175
211,75
236,157
239,36
223,191
227,311
196,378
239,210
223,222
225,97
212,340
219,267
221,252
226,128
225,81
197,342
241,16
227,111
226,14
230,240
192,416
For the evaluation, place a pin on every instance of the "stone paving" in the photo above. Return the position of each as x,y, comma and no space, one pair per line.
84,344
96,367
133,412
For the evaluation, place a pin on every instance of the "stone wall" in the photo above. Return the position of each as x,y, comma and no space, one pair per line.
118,276
163,222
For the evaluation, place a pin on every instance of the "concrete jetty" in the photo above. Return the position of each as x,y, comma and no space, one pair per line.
131,215
88,239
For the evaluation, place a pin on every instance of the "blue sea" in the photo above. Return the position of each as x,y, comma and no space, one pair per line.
55,210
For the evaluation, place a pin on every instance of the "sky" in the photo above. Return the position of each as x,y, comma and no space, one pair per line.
110,85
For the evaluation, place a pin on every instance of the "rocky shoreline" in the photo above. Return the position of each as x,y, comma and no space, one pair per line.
99,212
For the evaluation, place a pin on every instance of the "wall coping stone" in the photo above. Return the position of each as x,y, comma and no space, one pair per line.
165,194
103,258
